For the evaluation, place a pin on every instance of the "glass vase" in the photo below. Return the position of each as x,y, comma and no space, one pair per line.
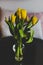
18,49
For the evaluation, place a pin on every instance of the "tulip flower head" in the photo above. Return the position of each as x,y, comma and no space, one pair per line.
13,17
34,20
23,13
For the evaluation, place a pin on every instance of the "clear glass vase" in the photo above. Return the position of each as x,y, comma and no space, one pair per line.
18,49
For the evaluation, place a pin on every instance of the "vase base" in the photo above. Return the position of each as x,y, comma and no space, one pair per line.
18,58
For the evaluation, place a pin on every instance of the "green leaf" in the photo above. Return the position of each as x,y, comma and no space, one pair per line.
11,28
31,36
29,25
21,33
29,40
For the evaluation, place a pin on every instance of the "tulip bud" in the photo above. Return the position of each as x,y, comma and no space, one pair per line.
19,13
34,20
13,17
23,14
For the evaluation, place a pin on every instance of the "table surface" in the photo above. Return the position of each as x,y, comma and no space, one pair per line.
33,53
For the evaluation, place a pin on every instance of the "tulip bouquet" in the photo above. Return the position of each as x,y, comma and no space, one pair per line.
21,28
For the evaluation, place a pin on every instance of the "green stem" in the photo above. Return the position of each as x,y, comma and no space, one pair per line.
19,52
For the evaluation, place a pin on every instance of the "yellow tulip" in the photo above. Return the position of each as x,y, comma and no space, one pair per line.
19,9
23,13
19,12
34,20
19,16
13,17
